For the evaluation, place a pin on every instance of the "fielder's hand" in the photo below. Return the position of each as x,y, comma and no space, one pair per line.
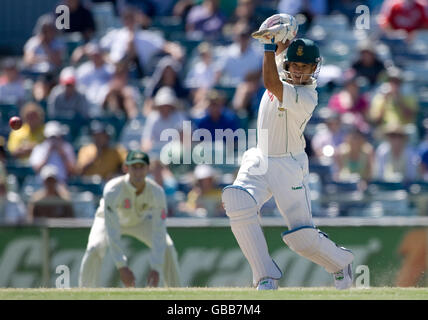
127,277
277,28
153,279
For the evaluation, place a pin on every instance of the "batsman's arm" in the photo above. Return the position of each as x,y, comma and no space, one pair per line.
271,79
270,73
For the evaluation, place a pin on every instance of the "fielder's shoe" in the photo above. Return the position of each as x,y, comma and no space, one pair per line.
267,284
343,278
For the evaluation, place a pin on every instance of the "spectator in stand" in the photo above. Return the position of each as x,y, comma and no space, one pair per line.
65,100
328,138
345,7
100,157
391,105
166,74
395,161
355,158
368,65
81,19
44,52
407,15
163,176
54,150
204,200
122,99
201,75
146,10
12,208
93,76
247,96
164,116
422,150
424,165
205,21
350,102
22,142
53,200
217,116
12,88
132,44
307,9
43,86
239,58
246,10
3,158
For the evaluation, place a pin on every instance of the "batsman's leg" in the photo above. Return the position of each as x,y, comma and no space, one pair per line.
303,238
94,255
241,208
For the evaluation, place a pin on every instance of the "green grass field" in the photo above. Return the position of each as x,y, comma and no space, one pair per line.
216,294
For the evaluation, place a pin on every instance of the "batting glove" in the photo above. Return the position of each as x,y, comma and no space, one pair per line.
277,28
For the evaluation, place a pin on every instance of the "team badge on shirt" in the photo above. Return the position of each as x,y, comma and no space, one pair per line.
127,204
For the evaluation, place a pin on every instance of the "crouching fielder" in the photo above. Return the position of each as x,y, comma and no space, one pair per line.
133,205
278,166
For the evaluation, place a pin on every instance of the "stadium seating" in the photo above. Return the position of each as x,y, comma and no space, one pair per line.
338,42
84,204
131,134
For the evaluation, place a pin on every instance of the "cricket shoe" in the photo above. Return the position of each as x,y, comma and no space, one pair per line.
267,284
343,278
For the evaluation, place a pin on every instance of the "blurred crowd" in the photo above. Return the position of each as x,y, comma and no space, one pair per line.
126,71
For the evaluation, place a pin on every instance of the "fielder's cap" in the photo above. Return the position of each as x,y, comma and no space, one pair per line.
67,76
54,129
303,50
49,171
166,96
136,156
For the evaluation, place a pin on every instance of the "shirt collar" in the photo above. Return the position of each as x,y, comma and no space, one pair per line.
131,186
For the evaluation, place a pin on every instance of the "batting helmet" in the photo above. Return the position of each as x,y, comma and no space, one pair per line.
303,51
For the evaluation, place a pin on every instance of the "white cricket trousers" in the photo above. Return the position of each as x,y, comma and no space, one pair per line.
285,178
97,245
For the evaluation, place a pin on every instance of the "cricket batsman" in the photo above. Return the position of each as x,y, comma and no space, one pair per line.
278,166
133,205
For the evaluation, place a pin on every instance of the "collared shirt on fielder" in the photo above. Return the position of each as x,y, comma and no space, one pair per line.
122,207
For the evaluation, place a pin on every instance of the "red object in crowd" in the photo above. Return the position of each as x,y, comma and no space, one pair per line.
15,123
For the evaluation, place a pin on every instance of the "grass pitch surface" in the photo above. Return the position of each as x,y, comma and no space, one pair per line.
386,293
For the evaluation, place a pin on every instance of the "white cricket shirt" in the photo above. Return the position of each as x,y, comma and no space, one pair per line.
122,207
280,126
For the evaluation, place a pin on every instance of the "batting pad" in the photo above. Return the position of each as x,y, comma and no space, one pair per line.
241,208
315,246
